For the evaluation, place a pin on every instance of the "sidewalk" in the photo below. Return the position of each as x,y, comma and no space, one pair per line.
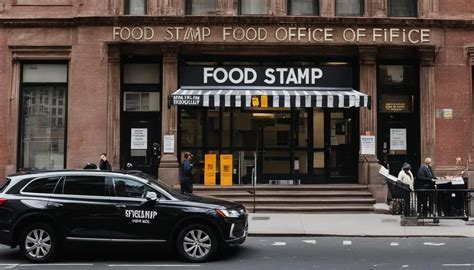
375,225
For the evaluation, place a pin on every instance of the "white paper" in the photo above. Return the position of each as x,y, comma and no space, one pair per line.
139,139
398,139
384,171
168,144
457,181
367,145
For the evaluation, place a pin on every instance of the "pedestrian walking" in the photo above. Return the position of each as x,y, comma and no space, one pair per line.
155,159
406,177
425,180
186,174
104,163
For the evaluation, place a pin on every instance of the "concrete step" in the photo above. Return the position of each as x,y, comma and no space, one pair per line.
302,198
270,208
299,201
284,194
274,188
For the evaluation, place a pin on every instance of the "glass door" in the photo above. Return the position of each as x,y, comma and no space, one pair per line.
318,147
341,146
274,145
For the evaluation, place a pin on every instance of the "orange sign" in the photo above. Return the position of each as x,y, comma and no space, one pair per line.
226,170
260,101
210,169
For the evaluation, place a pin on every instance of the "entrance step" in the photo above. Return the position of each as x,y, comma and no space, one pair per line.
297,198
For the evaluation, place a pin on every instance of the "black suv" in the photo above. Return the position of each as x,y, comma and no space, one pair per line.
41,211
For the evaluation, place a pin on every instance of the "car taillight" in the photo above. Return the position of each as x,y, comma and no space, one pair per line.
3,201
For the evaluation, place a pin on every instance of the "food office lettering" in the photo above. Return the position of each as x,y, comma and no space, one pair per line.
280,34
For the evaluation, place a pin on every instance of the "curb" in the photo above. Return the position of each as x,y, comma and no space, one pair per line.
355,235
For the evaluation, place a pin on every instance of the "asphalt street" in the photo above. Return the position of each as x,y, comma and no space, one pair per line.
273,253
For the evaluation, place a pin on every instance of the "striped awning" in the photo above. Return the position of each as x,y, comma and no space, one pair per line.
268,97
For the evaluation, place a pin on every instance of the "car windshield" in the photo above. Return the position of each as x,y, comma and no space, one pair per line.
153,181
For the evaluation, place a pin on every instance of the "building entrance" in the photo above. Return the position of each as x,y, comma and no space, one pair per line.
310,146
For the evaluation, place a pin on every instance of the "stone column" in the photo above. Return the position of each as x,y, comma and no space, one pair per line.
113,106
378,8
169,167
369,164
12,136
427,101
428,8
171,7
226,8
470,53
327,8
278,7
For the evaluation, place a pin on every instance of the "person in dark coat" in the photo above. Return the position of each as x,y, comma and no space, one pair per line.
90,166
186,175
425,180
104,163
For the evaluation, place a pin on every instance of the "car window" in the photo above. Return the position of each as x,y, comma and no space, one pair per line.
43,185
4,185
84,185
129,188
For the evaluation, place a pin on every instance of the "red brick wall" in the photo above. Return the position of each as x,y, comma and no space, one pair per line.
69,8
452,75
4,65
456,8
87,118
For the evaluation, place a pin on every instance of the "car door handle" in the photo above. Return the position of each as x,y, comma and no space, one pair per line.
120,206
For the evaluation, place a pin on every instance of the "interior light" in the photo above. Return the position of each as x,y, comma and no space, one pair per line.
264,115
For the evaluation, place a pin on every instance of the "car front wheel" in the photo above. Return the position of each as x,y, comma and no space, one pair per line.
197,243
38,243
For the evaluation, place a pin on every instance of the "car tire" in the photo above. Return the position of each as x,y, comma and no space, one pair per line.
38,243
197,243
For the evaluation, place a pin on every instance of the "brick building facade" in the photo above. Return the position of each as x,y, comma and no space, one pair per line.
413,58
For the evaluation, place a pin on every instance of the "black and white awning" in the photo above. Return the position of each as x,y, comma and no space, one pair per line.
268,97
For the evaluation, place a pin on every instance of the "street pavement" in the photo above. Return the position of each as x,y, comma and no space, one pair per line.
274,253
358,224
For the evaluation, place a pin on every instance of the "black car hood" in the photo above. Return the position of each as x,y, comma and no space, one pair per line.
210,202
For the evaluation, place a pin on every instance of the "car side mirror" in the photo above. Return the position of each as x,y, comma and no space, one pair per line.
151,196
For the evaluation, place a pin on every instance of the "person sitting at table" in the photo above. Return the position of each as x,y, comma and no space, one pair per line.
425,180
406,177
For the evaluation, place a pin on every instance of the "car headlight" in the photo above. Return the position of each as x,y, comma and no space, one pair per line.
228,213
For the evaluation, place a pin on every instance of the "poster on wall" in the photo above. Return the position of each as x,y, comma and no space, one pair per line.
226,170
367,145
168,141
139,139
210,169
398,139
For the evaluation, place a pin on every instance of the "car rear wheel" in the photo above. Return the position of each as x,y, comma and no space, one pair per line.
197,243
38,243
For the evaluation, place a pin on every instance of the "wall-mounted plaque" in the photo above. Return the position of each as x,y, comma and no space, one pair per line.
396,103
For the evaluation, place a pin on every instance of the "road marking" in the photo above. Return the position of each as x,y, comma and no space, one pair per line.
346,243
56,264
279,244
313,242
394,244
434,244
405,266
8,265
458,264
154,265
